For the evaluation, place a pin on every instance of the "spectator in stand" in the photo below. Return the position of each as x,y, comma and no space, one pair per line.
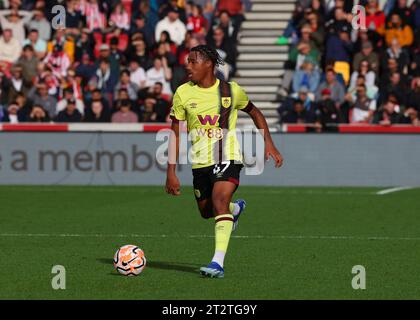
141,54
371,89
170,5
395,86
308,75
147,110
375,17
74,19
235,9
15,22
413,99
336,88
338,21
95,95
139,26
12,114
387,71
164,51
159,73
137,74
297,55
399,54
196,22
306,36
70,113
161,105
10,51
226,51
39,95
106,79
106,54
171,46
366,72
368,54
69,96
403,11
225,22
339,49
40,23
119,19
25,106
125,83
124,114
316,30
29,63
329,115
116,52
38,114
363,108
396,29
84,45
387,114
17,83
97,113
94,13
39,45
298,114
415,9
85,69
173,25
58,61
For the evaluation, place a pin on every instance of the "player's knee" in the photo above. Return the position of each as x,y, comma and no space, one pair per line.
221,204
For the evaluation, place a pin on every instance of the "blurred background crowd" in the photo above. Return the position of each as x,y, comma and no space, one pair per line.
113,61
338,73
121,60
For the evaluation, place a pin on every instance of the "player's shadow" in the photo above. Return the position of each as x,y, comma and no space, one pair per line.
163,265
174,266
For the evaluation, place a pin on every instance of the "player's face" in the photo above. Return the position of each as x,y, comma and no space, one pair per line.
197,67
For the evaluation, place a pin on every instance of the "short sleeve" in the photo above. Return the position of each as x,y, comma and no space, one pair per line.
177,110
240,98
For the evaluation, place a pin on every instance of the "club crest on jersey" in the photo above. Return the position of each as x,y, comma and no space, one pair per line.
226,102
212,120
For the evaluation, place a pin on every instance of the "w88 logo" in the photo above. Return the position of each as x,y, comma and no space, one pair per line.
216,133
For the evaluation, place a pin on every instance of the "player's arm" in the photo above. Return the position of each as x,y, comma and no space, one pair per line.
172,181
261,123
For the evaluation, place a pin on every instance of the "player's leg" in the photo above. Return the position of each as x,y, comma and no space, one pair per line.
202,191
206,208
221,197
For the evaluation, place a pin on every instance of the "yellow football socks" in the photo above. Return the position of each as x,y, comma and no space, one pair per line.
223,229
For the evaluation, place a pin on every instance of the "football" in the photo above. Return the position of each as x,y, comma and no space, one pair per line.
129,260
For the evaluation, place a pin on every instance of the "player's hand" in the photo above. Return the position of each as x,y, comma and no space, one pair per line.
172,185
271,150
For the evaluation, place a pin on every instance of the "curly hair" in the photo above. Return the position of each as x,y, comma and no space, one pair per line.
209,53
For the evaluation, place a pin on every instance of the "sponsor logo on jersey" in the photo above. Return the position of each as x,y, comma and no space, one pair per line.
212,120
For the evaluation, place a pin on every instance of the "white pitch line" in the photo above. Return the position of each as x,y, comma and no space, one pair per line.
390,190
285,237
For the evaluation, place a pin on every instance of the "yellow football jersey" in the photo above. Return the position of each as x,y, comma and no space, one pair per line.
202,109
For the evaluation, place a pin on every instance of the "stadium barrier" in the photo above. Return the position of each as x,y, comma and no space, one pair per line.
96,154
155,127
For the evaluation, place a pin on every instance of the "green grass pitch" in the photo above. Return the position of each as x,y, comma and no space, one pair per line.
292,243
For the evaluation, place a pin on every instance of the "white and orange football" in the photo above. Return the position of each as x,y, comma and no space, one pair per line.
129,260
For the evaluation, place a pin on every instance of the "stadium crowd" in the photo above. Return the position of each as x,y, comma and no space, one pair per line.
336,73
112,61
